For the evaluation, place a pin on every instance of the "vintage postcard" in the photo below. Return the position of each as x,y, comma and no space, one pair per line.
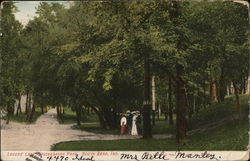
125,80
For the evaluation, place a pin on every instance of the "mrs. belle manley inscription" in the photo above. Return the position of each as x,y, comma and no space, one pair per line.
163,156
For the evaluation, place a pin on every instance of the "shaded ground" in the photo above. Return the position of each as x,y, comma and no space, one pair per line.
230,136
46,131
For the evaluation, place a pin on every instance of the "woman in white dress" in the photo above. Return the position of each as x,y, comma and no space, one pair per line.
134,128
123,124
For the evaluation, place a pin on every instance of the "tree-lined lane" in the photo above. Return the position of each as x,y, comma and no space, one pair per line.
46,132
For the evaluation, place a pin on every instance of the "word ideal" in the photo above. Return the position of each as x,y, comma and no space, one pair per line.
37,156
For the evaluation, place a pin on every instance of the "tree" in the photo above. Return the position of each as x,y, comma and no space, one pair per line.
10,85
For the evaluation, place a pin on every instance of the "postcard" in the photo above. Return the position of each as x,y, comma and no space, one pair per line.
125,80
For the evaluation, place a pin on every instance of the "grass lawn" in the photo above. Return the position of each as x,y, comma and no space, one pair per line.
206,115
161,127
69,117
218,111
91,123
231,136
95,128
22,116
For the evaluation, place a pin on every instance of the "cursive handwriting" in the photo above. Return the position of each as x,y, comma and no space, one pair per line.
157,155
144,156
77,157
163,156
193,155
37,156
128,156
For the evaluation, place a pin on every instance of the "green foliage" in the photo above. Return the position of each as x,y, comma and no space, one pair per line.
10,59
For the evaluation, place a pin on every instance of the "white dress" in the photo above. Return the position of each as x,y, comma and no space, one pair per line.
124,120
134,128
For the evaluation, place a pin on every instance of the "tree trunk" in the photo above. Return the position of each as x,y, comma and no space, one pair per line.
108,116
181,102
170,102
204,102
242,84
101,119
32,112
9,112
42,109
232,88
29,110
159,111
147,130
245,86
88,112
213,94
217,85
181,105
78,117
228,90
165,103
115,122
60,110
153,100
194,103
57,111
191,106
78,114
236,91
27,103
222,86
19,105
197,100
166,115
115,118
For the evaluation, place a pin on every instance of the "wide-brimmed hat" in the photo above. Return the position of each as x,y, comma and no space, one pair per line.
133,112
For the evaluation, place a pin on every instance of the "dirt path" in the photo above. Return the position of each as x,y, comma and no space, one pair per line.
46,132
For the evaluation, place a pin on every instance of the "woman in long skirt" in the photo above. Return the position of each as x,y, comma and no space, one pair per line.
123,124
134,128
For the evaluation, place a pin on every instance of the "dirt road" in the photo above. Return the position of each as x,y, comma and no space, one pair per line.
45,132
